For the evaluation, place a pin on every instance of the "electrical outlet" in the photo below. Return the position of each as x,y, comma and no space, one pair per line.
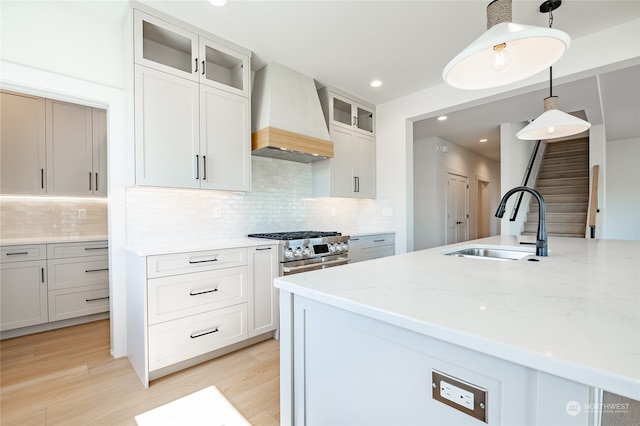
217,212
82,213
333,211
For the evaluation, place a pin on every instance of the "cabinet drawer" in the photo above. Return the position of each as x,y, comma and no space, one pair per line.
21,253
377,252
189,294
75,302
78,272
175,341
182,263
377,240
62,250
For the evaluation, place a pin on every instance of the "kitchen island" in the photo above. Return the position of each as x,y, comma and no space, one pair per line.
539,337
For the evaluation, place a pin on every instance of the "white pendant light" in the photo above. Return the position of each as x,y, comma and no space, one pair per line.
506,52
552,123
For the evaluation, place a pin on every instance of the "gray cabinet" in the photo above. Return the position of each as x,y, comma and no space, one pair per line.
45,283
22,144
23,286
52,147
78,279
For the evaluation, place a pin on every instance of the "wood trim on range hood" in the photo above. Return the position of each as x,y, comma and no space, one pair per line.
283,144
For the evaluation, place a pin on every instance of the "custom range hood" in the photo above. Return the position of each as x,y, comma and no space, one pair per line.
287,119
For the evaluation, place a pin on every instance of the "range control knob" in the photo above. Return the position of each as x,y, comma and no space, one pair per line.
306,251
332,248
298,252
288,254
344,247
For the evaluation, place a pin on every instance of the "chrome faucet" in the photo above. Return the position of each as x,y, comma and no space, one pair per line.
541,237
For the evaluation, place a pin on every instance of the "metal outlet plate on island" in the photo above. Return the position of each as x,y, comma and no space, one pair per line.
457,394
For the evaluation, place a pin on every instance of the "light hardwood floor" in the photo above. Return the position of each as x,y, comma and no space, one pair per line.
68,377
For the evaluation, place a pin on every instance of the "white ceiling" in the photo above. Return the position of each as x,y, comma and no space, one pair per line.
406,44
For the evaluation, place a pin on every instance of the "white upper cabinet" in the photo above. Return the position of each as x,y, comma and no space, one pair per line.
166,129
167,47
22,144
192,112
349,114
224,140
352,170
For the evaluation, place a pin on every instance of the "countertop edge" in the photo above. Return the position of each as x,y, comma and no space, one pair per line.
555,366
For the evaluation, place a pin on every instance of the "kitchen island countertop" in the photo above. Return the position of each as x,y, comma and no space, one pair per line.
574,314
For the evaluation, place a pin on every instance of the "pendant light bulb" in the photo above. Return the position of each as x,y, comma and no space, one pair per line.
500,58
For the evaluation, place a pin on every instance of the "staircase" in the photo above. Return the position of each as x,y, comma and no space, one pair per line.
563,182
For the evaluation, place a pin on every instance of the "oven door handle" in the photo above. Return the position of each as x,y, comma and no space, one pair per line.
314,266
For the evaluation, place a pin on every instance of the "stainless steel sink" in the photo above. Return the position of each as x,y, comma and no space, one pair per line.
490,252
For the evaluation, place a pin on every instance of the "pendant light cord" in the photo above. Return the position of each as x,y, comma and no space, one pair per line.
550,68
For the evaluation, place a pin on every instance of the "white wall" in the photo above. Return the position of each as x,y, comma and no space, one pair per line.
430,166
623,190
515,155
395,132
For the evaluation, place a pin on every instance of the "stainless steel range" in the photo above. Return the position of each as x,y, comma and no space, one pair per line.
304,251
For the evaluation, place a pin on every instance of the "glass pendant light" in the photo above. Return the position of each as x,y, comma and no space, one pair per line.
506,52
552,123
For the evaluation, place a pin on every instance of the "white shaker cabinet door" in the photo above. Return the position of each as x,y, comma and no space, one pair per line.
343,182
225,140
263,266
166,115
365,166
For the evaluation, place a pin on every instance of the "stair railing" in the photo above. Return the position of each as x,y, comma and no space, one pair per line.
530,175
593,201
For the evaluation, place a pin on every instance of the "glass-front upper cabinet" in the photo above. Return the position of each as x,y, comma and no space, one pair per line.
350,114
169,48
224,68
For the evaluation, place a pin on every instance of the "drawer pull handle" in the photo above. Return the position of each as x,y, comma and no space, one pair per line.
95,248
191,293
202,261
196,335
95,299
378,241
263,248
21,253
96,270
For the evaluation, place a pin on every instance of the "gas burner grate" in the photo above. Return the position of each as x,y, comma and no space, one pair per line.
295,235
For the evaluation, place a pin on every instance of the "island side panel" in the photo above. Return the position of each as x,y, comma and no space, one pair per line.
352,370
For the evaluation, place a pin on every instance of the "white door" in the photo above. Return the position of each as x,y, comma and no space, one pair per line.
167,120
225,140
457,213
365,166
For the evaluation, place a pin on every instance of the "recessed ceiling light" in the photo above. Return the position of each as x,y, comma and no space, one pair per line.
375,83
219,3
442,118
483,140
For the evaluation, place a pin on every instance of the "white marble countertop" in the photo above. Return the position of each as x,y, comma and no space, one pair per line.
51,240
574,314
367,234
188,246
